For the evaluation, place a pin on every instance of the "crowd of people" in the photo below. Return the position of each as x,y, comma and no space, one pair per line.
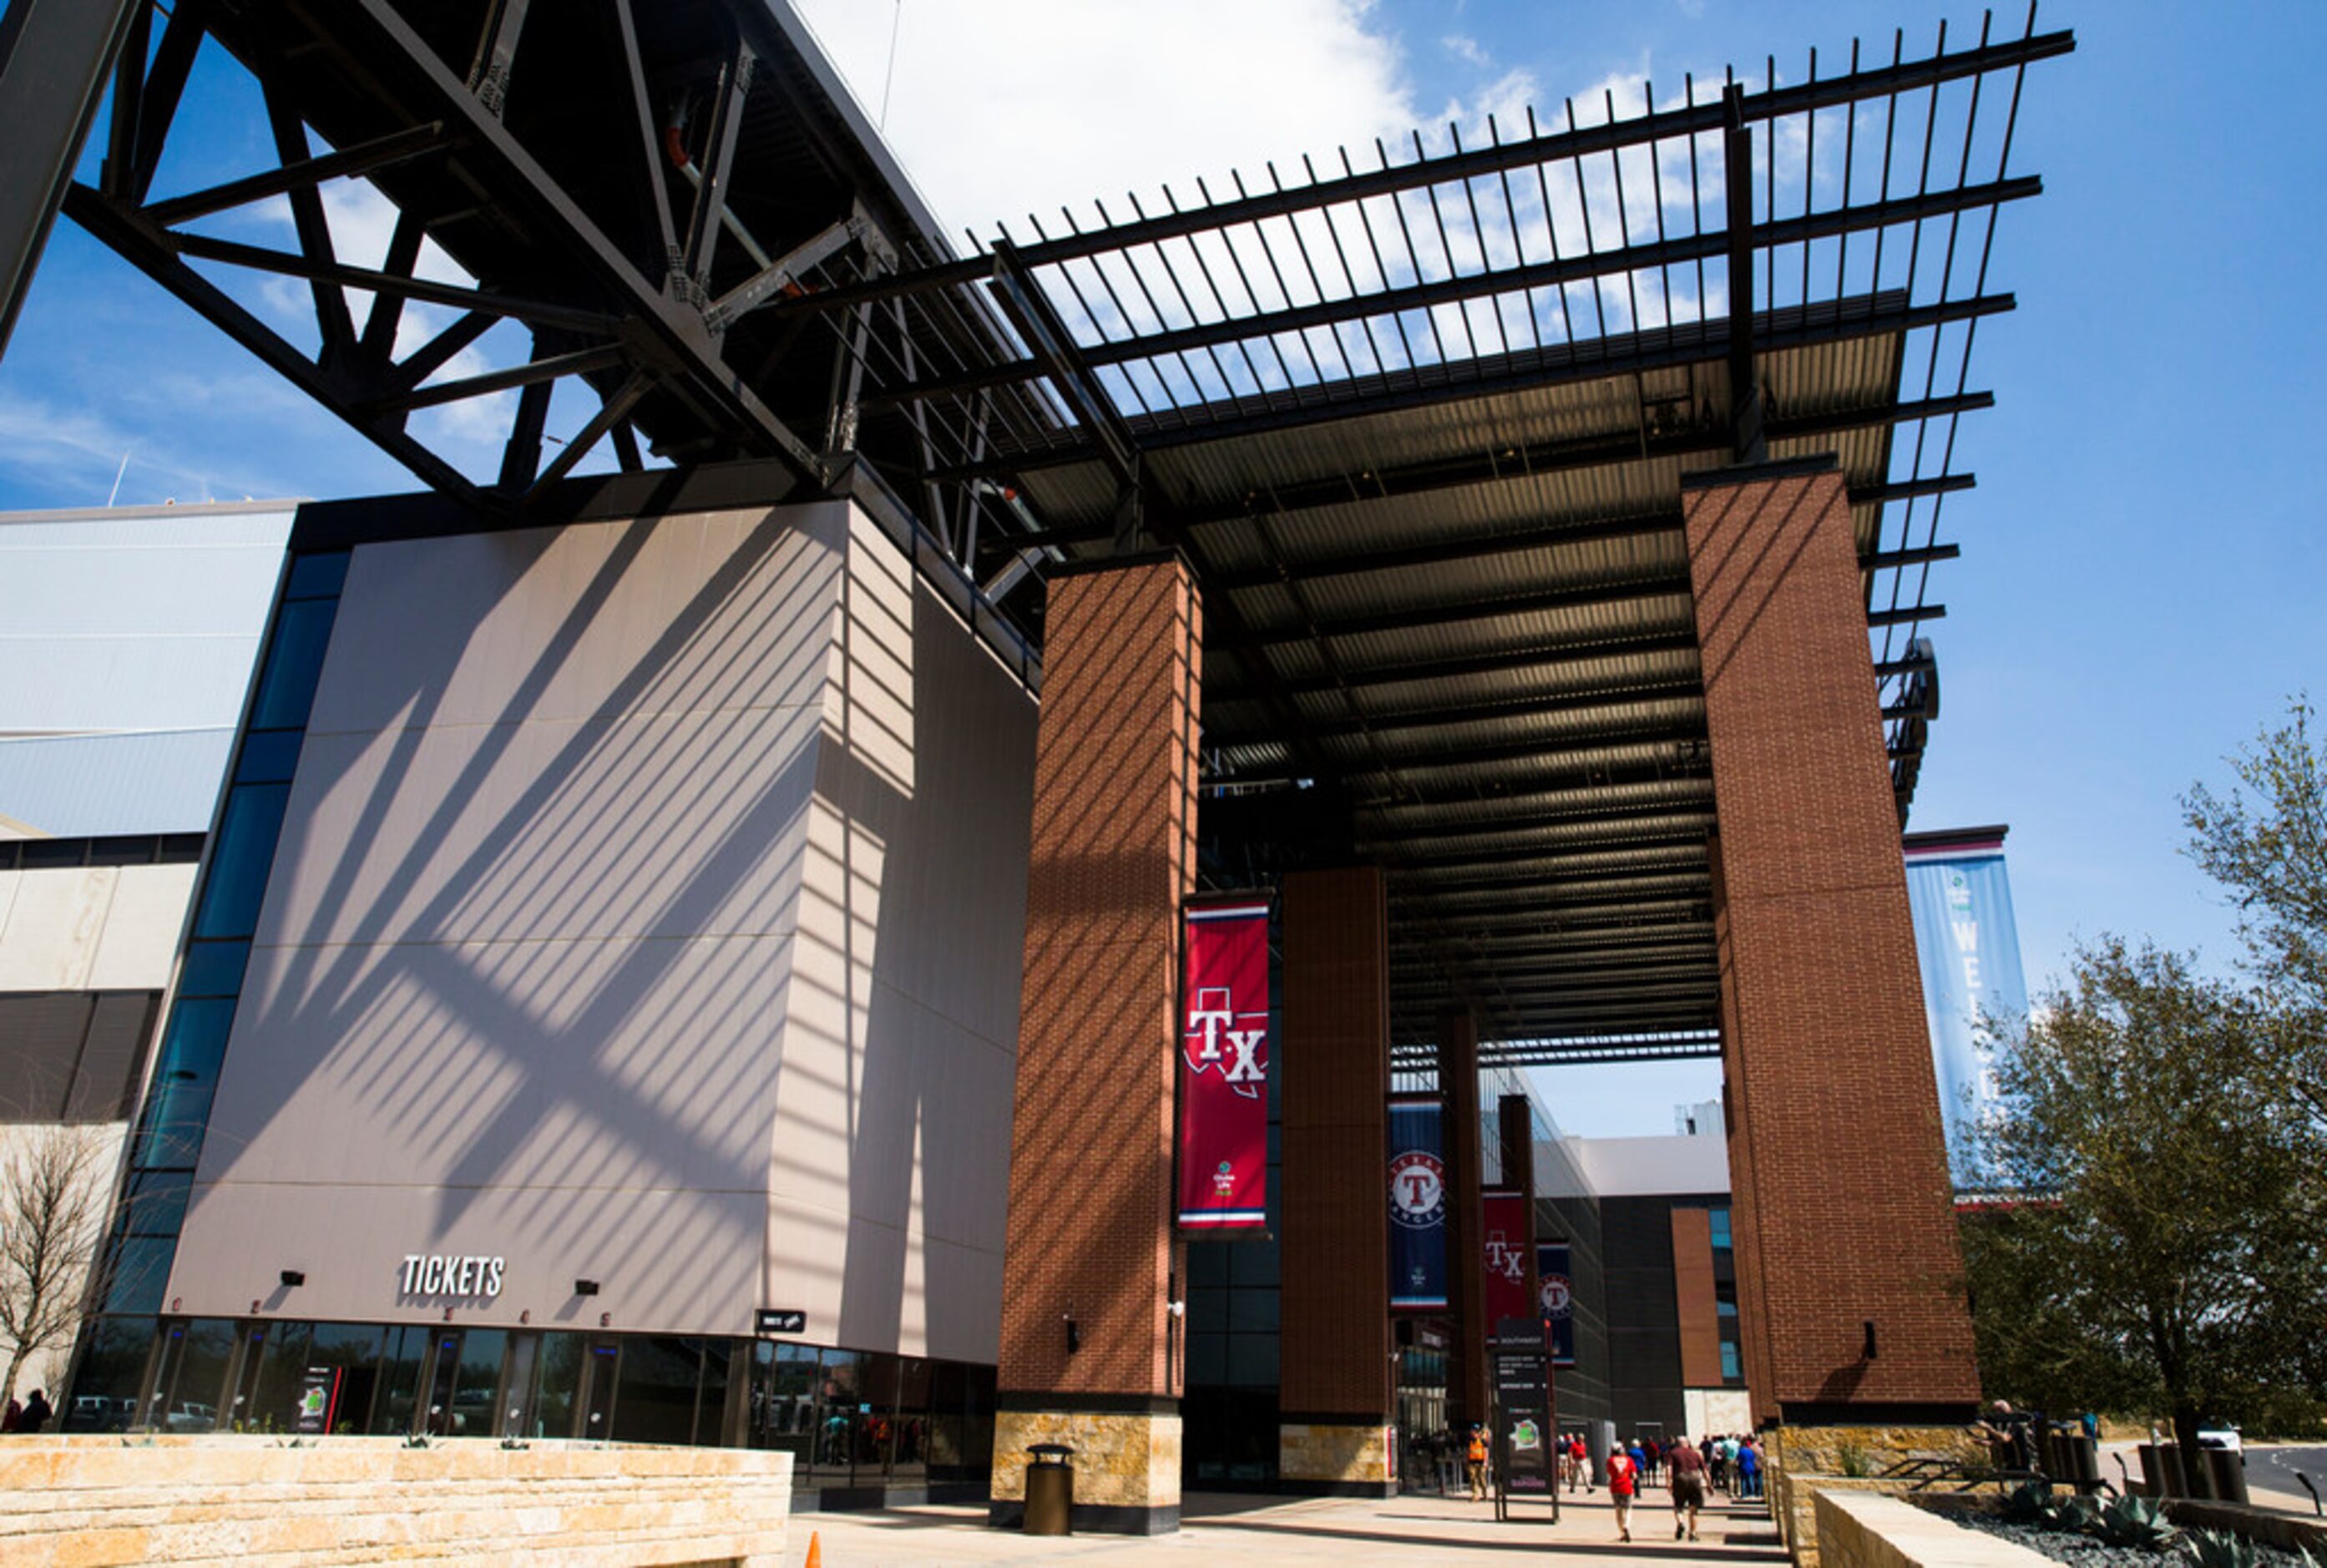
32,1414
1689,1469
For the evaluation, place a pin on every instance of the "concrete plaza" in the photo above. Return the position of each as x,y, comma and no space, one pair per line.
1216,1528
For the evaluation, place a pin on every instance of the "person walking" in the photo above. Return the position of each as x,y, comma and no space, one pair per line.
1623,1480
1583,1458
1688,1489
1748,1468
1474,1464
36,1413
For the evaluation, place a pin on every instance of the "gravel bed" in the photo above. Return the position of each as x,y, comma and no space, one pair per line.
2085,1552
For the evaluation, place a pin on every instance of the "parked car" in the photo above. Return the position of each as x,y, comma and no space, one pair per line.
2224,1437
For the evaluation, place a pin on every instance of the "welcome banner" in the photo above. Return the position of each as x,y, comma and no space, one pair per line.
1507,1238
1417,1205
1224,1069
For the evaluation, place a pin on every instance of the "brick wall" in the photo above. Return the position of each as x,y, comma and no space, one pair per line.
1113,855
1695,1306
1334,1073
1841,1200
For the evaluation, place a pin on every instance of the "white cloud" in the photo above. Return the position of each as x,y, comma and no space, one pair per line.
1464,48
1008,107
75,455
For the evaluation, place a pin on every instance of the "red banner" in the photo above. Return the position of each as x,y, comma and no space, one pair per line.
1502,1257
1224,1069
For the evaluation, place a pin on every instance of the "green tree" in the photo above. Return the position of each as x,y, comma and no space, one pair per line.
2159,1252
2266,842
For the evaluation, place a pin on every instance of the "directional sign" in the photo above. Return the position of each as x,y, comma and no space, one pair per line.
781,1320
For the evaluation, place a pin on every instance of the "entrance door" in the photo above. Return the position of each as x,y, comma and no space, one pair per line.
514,1414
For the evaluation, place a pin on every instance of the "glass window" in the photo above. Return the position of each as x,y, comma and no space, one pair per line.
193,1400
783,1412
711,1399
178,1106
876,1410
213,968
946,1452
837,1417
655,1402
978,1445
157,1204
400,1381
1729,1366
558,1386
1252,1311
1252,1360
1720,1227
247,830
351,1352
275,1364
112,1373
909,1450
269,757
140,1273
318,576
476,1380
303,629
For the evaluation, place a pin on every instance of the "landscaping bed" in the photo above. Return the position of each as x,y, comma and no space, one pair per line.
2112,1533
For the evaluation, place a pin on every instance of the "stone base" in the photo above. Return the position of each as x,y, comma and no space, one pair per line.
1800,1462
1316,1459
1127,1468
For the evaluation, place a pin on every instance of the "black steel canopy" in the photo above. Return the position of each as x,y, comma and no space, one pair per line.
1419,420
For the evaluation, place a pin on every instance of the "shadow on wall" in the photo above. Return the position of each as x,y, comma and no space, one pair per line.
581,917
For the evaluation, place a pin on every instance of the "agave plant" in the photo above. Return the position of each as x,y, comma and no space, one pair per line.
2137,1522
2029,1503
2079,1514
2221,1549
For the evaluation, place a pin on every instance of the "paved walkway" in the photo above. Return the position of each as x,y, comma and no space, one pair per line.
1219,1528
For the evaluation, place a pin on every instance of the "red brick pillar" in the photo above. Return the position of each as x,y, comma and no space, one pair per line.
1842,1209
1333,1394
1090,1233
1467,1398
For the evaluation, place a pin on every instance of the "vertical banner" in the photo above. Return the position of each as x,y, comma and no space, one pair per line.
1224,1069
1555,1291
1970,949
1417,1205
1503,1256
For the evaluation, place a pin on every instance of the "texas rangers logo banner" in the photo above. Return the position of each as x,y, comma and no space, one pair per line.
1417,1206
1503,1256
1556,1289
1224,1070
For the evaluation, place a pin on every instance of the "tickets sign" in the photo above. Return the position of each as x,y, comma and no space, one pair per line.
1224,1060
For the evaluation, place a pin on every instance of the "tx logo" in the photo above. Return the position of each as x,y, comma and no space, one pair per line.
1503,1258
1215,1044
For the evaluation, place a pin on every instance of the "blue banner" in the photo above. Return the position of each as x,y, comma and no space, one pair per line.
1970,949
1417,1206
1556,1289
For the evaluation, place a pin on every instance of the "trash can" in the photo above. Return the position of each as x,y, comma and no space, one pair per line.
2160,1469
2227,1468
1050,1489
2084,1456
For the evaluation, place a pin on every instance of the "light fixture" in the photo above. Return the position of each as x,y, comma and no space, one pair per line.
291,1278
585,1287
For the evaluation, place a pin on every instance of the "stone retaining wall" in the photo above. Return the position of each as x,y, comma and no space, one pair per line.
1801,1461
257,1502
1864,1529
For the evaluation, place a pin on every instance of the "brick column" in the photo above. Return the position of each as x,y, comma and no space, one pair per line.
1466,1353
1843,1214
1515,1127
1333,1396
1090,1233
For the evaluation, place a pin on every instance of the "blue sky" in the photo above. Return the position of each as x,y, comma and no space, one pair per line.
2141,559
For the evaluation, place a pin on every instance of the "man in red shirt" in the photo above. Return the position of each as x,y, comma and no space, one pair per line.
1623,1480
1688,1487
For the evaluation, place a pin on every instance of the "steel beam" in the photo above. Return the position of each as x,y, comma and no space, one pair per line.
54,58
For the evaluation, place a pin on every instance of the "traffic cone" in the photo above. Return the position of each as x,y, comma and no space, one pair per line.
815,1552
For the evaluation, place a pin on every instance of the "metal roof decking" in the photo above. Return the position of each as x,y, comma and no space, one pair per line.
1419,421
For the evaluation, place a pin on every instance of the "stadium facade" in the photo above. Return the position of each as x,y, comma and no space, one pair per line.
715,952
